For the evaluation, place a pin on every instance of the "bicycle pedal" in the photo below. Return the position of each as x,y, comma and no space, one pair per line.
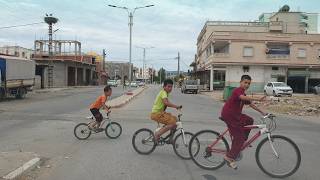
98,130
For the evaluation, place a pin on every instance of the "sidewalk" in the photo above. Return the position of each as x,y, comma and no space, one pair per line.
13,164
216,94
47,90
124,99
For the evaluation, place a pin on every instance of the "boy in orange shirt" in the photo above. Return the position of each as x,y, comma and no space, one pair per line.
97,105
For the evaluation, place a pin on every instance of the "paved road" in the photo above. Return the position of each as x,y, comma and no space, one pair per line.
51,136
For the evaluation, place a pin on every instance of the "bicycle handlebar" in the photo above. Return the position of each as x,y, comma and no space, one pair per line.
272,125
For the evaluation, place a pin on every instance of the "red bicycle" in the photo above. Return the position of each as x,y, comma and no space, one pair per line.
276,155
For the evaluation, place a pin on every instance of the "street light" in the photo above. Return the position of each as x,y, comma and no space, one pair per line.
144,59
130,14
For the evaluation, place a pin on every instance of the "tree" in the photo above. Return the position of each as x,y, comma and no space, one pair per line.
161,73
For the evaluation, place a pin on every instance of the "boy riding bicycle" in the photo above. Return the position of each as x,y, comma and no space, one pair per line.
97,105
235,120
159,114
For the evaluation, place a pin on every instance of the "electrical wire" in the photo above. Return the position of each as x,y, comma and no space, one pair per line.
21,25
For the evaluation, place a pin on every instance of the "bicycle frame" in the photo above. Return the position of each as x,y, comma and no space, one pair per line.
173,131
263,130
104,120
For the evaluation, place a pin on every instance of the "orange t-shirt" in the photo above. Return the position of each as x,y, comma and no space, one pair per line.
101,100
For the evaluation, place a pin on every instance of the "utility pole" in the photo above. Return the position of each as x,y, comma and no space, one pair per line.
178,64
130,14
50,20
144,60
160,74
104,60
143,65
130,47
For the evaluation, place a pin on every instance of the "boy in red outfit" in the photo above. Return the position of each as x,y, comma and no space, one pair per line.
235,120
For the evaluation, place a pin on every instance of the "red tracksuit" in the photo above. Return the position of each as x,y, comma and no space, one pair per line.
233,117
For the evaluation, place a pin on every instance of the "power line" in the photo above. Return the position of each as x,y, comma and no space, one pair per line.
30,24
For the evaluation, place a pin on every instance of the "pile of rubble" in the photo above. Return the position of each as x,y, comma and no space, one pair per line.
302,105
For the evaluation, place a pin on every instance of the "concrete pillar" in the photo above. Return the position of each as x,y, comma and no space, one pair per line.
211,78
75,49
90,78
79,45
84,70
76,76
306,85
66,75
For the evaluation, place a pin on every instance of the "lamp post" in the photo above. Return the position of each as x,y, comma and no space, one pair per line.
130,15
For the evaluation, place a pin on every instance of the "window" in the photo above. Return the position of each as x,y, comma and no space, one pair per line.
269,84
245,68
23,54
248,51
274,68
301,53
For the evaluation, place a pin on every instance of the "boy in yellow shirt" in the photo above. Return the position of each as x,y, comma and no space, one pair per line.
159,114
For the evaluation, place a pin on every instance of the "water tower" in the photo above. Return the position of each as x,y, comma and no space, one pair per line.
50,20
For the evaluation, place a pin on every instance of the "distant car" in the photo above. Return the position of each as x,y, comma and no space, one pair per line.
277,89
112,83
134,84
141,83
316,89
190,86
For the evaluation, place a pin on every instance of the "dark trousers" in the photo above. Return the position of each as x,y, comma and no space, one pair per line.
239,136
96,113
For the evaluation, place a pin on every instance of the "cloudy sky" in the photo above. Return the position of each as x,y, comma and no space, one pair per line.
171,26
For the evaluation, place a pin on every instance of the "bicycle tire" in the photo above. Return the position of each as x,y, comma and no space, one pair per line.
151,141
192,154
114,124
75,131
175,146
295,148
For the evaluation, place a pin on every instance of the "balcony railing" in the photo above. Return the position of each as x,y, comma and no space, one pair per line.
277,56
221,55
236,23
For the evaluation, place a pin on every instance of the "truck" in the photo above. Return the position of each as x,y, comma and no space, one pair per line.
190,86
17,76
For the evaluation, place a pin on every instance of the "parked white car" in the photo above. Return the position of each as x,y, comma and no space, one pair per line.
316,89
112,83
134,84
277,89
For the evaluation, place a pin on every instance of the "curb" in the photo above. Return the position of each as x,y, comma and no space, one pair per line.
23,169
128,100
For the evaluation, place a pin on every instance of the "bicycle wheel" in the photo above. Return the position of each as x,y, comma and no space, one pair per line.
143,141
82,131
181,144
113,130
285,163
204,156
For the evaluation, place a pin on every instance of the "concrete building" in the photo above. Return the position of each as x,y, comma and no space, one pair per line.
280,49
63,67
311,20
17,51
118,70
173,74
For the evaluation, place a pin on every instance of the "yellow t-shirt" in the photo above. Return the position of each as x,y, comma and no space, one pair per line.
158,105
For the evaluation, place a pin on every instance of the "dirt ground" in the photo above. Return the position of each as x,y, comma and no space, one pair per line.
298,104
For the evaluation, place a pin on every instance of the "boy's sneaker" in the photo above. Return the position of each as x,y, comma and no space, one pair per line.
230,162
